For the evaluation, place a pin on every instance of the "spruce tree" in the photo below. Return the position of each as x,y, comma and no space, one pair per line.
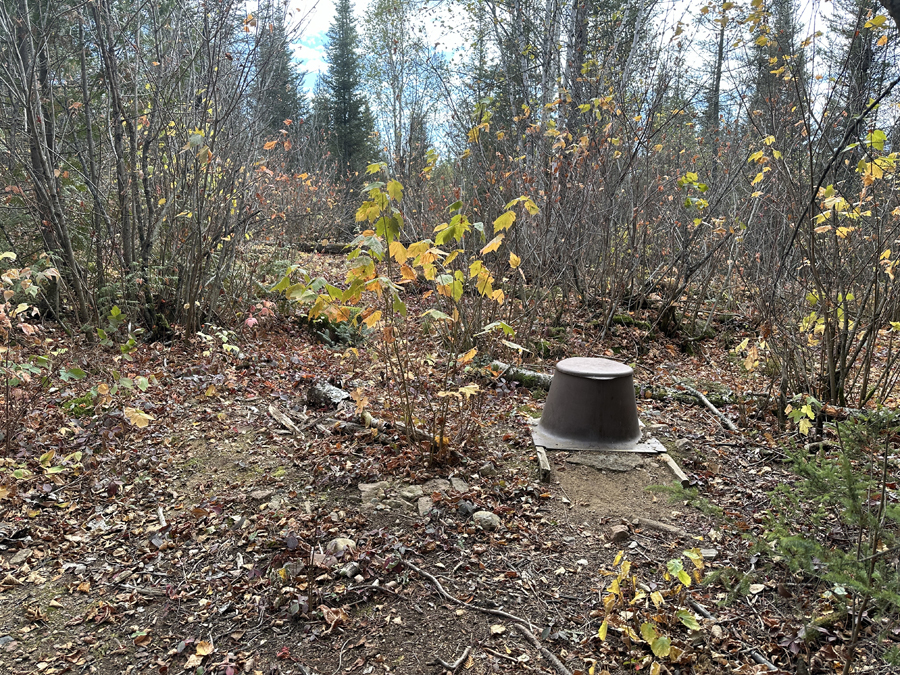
349,120
280,94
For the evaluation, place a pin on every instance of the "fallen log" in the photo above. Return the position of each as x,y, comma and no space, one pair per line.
321,247
536,380
530,378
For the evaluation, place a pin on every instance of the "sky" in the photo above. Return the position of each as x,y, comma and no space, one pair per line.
310,49
316,17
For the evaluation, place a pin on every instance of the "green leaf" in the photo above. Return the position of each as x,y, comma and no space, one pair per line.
684,578
502,325
7,255
456,206
877,137
55,469
395,190
437,314
71,374
142,383
648,631
21,474
688,619
661,647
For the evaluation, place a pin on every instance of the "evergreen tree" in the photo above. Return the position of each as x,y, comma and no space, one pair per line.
349,121
280,94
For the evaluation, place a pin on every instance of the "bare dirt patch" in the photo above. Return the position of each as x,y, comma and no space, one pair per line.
596,493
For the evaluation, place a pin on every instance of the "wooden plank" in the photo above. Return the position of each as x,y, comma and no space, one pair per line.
675,469
544,469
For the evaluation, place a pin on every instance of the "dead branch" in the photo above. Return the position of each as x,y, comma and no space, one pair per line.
453,667
546,653
662,527
445,594
705,401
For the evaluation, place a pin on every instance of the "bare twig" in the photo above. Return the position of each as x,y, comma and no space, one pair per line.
445,594
546,653
453,667
724,420
755,654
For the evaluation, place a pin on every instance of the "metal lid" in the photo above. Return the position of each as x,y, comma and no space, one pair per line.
594,369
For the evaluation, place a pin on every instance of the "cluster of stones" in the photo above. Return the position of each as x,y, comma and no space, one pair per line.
419,499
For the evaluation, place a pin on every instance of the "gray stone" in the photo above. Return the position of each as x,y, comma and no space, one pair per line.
436,485
370,493
339,546
709,553
618,533
349,570
459,484
21,556
487,469
5,640
465,509
683,444
425,505
411,492
260,495
399,504
486,520
607,461
324,395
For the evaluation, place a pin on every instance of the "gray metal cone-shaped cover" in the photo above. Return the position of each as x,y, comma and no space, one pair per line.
590,406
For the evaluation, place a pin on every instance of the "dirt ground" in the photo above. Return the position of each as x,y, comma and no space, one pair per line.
214,541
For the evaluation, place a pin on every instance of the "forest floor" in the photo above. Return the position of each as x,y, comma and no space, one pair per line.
215,539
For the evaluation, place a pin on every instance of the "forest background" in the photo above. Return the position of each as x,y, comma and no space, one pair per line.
571,169
744,153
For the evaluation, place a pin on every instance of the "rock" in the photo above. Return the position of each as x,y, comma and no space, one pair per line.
261,495
411,492
359,578
400,504
350,570
436,485
459,484
425,505
5,640
607,461
486,520
683,444
324,395
619,533
487,469
582,563
339,546
371,493
465,509
709,553
21,556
